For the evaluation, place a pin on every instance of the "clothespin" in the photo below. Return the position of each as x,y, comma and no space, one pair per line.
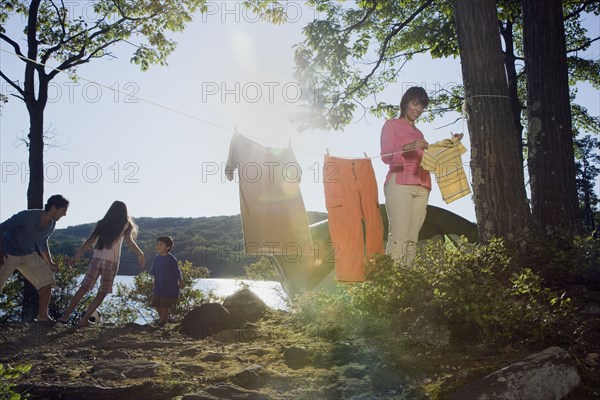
365,153
235,131
327,151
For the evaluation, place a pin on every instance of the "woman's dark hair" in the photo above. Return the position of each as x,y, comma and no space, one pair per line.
58,201
109,228
414,93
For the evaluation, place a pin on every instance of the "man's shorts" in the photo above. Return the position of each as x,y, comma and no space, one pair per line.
104,268
32,266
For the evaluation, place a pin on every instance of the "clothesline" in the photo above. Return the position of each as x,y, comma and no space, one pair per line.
231,131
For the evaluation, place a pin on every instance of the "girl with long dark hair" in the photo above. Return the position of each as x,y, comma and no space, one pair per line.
105,241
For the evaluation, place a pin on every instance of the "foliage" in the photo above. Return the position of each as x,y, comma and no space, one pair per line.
587,165
354,51
489,289
125,305
560,260
8,375
66,286
335,315
11,299
77,38
129,303
261,270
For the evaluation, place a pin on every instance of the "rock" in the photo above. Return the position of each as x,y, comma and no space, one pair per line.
117,354
258,352
201,395
297,357
124,368
244,306
251,377
341,354
354,371
593,360
192,368
206,320
212,357
189,353
592,309
548,375
233,392
244,335
146,391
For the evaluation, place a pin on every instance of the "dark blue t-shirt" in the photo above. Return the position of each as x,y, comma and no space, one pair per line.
166,275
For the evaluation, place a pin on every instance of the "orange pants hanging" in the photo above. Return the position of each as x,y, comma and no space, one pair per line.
351,196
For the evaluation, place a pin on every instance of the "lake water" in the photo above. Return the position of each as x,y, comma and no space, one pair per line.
270,292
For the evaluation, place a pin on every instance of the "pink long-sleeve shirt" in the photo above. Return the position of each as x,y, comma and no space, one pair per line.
406,165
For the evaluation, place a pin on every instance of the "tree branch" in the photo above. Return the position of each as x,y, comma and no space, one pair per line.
60,18
79,60
14,44
32,48
581,9
14,85
352,27
583,46
386,43
125,17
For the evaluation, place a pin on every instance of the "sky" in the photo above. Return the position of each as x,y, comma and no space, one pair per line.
158,140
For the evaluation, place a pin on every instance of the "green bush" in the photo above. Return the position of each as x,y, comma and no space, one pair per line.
11,299
8,375
129,303
491,289
261,270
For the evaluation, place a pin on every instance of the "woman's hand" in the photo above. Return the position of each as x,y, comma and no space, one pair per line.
459,136
420,144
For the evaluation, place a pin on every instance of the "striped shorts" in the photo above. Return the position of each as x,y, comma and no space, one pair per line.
105,269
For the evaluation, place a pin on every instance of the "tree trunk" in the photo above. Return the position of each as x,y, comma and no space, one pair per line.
551,158
35,190
498,182
35,194
511,74
35,107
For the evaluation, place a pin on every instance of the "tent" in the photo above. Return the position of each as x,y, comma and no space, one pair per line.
317,272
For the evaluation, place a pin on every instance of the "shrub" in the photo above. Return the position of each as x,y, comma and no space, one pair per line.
491,289
129,303
8,375
11,298
261,270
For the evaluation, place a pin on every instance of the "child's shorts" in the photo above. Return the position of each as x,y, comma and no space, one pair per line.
99,267
164,302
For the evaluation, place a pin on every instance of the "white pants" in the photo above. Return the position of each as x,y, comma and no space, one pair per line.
406,207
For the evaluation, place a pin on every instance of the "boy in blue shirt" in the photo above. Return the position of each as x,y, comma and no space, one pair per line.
167,279
24,247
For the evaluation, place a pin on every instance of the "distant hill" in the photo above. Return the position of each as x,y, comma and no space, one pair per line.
212,242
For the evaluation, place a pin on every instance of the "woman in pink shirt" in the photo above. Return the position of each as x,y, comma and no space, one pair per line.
407,185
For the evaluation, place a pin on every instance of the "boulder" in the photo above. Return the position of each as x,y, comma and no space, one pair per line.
244,306
206,320
548,375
